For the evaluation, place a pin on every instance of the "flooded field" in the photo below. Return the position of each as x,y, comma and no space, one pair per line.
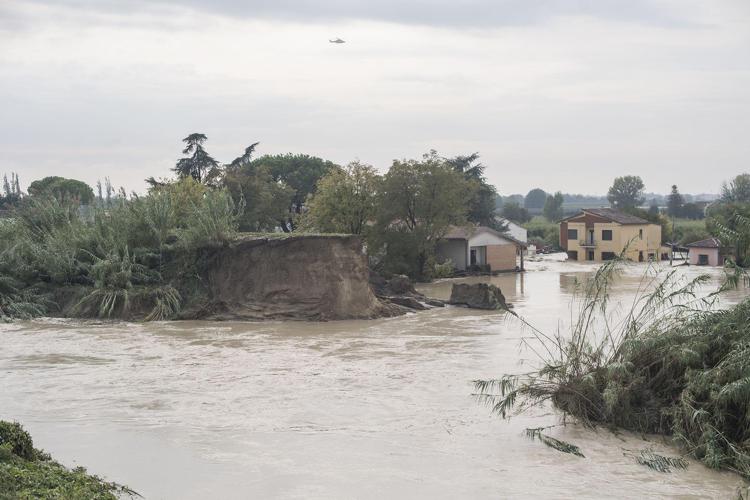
353,409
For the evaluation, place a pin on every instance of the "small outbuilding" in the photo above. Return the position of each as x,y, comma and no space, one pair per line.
705,253
481,246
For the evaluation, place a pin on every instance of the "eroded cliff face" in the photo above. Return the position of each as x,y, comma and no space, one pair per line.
296,277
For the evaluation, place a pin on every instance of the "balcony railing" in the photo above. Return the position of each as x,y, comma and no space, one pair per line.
587,243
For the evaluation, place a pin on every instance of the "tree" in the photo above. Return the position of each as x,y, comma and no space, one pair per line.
553,210
515,212
300,173
737,190
626,192
419,200
266,201
674,202
11,191
199,165
345,200
482,203
64,190
535,199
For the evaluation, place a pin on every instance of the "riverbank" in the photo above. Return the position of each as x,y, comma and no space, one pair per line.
27,472
669,363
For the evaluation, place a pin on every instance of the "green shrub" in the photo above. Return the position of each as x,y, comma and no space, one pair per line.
673,365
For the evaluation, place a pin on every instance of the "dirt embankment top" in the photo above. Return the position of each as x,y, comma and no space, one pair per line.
297,277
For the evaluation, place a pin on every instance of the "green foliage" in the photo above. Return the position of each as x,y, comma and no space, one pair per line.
64,190
11,194
674,202
27,473
671,364
481,210
688,231
543,231
553,207
626,192
418,202
737,190
515,212
300,173
660,463
535,199
345,201
200,165
139,257
554,443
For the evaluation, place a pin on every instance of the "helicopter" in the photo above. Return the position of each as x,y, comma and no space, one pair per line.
337,40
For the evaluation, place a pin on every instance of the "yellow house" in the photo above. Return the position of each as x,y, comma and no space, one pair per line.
597,234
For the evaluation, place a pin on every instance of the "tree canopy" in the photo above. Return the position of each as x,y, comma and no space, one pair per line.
199,165
419,201
300,173
737,190
626,192
553,207
674,202
483,199
345,200
64,190
535,199
513,211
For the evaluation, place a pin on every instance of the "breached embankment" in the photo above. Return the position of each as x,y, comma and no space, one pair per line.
309,277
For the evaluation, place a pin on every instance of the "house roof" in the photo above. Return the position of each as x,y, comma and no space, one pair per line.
707,243
612,215
464,233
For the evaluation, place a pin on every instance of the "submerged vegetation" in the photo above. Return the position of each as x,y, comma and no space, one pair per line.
26,472
671,363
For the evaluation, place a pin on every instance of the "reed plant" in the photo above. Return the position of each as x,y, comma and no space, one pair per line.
668,362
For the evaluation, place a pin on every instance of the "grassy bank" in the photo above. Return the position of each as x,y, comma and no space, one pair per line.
672,364
26,472
131,258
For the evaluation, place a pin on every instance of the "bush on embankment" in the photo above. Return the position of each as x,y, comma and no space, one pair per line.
137,257
26,472
672,364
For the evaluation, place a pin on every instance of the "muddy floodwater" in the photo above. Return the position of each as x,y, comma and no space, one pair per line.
351,409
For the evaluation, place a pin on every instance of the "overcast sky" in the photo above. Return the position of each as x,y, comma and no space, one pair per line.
562,95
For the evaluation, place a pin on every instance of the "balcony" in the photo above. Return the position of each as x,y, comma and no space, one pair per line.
587,243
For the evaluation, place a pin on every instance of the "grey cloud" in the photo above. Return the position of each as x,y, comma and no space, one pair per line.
442,13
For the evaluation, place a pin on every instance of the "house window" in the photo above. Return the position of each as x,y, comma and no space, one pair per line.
572,255
572,234
608,255
651,256
590,255
640,234
606,235
702,259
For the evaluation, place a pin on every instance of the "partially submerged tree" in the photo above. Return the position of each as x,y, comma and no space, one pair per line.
419,201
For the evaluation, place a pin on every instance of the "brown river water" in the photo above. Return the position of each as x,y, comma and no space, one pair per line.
350,409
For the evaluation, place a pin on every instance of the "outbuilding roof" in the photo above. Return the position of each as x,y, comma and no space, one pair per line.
613,215
466,232
707,243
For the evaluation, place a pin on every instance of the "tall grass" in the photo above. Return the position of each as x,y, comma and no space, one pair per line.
132,257
668,362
